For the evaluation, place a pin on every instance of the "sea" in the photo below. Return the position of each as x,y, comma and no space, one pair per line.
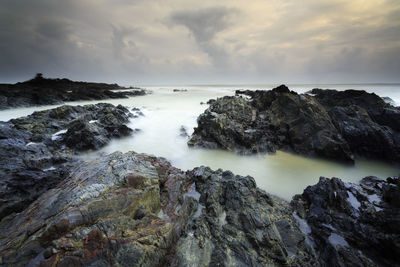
165,112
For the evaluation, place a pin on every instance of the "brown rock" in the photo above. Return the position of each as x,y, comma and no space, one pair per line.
135,181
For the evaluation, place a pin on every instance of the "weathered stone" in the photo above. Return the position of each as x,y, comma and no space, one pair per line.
327,123
351,224
36,151
44,91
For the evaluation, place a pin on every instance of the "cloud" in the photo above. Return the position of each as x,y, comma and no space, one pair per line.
204,25
200,42
118,39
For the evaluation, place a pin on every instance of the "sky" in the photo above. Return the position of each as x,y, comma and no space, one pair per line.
201,42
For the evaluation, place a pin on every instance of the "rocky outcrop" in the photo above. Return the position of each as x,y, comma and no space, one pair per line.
370,126
137,210
237,224
36,151
43,91
123,210
327,123
352,225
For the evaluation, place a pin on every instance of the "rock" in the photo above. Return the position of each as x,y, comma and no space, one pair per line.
137,112
389,101
352,224
179,90
44,91
237,224
183,132
140,213
82,135
323,123
36,151
137,210
96,207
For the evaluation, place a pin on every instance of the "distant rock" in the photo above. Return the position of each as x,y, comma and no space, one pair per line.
183,132
325,123
179,90
44,91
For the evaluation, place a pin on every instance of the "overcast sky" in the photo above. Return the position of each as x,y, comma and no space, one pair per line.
201,42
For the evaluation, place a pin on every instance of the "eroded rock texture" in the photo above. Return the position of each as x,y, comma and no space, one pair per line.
137,210
353,225
36,151
326,123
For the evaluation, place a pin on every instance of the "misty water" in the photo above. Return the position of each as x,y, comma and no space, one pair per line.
165,112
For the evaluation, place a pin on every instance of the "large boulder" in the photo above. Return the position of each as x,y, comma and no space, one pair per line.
323,123
270,120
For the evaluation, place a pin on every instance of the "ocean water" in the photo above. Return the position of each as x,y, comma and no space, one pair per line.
165,112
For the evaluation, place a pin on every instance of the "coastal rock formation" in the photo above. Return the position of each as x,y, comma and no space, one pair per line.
326,123
370,126
36,151
237,224
352,225
123,210
137,210
43,91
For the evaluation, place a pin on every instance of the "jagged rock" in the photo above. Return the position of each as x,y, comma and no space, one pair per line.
36,151
237,224
94,217
183,132
324,123
350,224
277,119
137,210
388,100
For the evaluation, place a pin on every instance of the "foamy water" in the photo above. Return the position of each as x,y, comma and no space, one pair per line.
282,174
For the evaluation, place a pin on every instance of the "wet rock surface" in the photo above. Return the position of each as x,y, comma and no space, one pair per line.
237,224
137,210
325,123
44,91
99,217
353,225
37,151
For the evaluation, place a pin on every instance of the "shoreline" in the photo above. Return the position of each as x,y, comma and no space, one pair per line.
121,204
